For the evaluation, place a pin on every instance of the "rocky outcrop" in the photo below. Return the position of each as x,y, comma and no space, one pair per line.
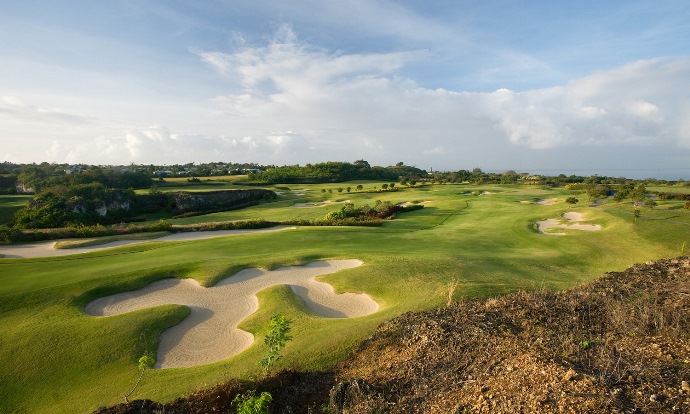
186,202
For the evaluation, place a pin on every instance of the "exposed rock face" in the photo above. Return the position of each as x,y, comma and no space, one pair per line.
184,202
620,344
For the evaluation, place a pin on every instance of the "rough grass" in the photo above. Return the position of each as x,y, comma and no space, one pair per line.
77,363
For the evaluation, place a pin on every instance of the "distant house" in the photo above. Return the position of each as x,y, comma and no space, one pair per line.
73,169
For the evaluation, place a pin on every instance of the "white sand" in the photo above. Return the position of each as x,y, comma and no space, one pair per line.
572,217
47,248
319,204
410,203
210,334
547,201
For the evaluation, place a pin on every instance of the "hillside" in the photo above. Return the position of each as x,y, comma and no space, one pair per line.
618,344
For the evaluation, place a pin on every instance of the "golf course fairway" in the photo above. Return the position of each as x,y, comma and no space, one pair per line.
54,357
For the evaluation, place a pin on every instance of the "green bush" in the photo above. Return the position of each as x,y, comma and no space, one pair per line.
250,403
8,235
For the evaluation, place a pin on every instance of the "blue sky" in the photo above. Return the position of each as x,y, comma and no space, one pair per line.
578,87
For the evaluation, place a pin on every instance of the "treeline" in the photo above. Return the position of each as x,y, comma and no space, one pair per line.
332,172
673,196
39,179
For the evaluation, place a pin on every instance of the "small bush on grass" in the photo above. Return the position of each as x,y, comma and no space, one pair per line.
250,403
276,338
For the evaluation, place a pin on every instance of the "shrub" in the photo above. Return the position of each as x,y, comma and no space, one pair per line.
276,338
9,235
250,403
162,225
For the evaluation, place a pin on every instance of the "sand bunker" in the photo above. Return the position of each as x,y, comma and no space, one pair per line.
541,202
572,217
546,201
210,334
412,203
47,248
319,204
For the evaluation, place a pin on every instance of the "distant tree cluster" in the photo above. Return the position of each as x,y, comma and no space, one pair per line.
45,177
322,173
380,210
673,196
331,172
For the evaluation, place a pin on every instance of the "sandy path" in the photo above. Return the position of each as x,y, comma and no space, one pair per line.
210,332
572,217
47,248
319,204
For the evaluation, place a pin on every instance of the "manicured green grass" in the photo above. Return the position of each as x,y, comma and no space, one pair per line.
58,359
9,204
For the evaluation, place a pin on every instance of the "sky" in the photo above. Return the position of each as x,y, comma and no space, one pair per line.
574,87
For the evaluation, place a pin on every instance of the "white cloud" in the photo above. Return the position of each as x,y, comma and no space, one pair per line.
289,102
435,150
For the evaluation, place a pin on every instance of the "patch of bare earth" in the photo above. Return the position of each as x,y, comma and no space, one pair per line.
620,344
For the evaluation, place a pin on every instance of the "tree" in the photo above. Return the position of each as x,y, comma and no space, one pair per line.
597,191
649,203
359,187
639,193
391,185
619,196
277,336
687,206
144,363
340,189
348,189
571,200
361,164
384,186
